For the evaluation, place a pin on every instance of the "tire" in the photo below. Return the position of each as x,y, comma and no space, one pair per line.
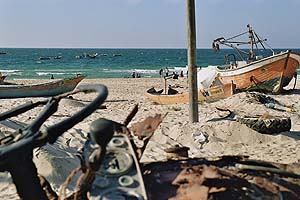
271,125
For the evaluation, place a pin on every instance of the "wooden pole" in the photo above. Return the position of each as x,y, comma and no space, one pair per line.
192,68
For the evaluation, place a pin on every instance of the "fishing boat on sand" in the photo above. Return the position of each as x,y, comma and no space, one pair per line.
255,72
209,94
40,90
267,74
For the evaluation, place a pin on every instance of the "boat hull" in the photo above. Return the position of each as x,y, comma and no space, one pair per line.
209,94
265,74
40,90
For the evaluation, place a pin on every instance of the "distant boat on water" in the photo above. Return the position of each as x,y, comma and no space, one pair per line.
50,57
44,58
2,53
116,55
92,55
57,57
86,55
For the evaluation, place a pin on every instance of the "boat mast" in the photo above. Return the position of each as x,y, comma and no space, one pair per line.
254,39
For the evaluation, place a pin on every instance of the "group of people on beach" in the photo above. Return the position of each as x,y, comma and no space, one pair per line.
165,73
135,75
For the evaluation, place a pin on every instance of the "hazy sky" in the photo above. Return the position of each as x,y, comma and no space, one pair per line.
143,23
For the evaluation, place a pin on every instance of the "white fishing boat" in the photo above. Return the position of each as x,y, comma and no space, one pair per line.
253,71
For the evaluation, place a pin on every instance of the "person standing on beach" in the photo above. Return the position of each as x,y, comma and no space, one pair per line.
167,71
181,74
133,75
161,72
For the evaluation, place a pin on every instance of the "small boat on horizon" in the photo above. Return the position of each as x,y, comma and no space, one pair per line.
87,55
44,58
92,55
50,57
57,57
117,55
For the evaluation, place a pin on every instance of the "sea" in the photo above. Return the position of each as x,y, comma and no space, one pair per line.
42,63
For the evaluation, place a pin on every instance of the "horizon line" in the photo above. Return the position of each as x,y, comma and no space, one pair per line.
130,48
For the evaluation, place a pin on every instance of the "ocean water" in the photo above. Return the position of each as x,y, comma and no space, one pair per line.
25,63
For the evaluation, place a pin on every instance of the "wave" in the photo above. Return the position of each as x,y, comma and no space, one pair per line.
147,71
60,70
9,70
55,73
142,71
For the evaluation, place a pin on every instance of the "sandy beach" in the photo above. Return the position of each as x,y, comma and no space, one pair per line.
223,137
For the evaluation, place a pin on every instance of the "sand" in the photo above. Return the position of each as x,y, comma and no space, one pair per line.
223,137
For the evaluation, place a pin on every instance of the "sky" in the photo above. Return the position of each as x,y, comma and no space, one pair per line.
143,23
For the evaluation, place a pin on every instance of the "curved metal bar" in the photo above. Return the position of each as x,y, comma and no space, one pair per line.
53,132
34,138
16,156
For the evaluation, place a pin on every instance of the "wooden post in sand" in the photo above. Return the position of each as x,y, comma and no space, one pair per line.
192,68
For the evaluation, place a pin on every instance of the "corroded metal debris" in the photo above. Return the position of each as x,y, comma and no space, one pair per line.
146,128
203,179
